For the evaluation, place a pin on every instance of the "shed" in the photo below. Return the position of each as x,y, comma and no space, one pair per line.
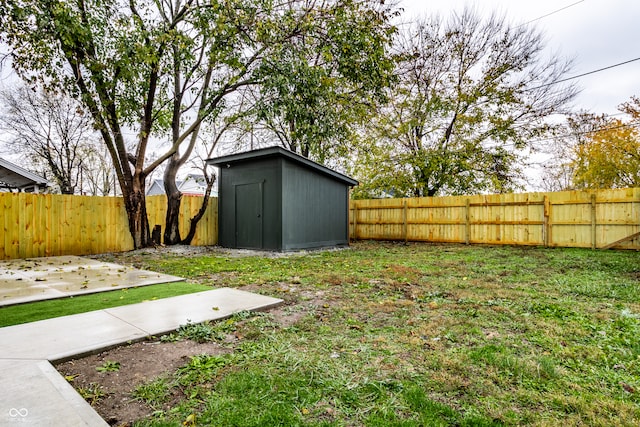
275,199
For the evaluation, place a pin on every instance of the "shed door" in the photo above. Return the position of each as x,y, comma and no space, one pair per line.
249,216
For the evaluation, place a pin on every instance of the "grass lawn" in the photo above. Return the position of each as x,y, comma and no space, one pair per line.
31,312
418,335
387,334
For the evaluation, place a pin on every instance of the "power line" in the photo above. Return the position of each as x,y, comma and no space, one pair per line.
551,13
601,129
585,74
632,123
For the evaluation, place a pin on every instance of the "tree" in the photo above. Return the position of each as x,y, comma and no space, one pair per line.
558,170
471,93
54,135
205,151
100,179
160,68
609,156
313,38
330,78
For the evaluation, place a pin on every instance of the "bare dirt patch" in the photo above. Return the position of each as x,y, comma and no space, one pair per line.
138,363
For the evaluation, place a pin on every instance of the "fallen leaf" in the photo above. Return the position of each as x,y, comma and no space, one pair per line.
627,387
190,421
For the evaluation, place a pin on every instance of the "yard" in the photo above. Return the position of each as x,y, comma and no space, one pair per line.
408,335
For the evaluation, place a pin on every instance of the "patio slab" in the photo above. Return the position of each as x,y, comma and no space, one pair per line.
36,279
166,315
34,393
67,336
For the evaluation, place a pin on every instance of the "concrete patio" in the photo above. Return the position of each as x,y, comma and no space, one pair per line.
35,279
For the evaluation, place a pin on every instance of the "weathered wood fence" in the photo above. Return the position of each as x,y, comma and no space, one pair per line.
35,225
589,219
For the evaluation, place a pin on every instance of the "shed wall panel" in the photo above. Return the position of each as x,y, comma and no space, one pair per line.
314,209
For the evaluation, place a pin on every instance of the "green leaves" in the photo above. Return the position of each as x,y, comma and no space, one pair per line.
608,157
326,78
109,366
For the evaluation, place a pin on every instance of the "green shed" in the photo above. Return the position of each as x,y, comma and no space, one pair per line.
274,199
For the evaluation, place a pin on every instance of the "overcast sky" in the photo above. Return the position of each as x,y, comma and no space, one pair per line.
595,33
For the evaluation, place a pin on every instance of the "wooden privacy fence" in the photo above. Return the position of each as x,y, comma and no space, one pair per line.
588,219
35,225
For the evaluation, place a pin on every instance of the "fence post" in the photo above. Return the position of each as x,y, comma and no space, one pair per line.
405,227
546,226
355,221
593,222
467,222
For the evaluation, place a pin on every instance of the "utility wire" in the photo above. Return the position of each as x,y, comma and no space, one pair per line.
585,74
551,13
632,123
586,132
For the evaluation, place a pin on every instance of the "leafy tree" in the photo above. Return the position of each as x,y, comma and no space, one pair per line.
609,157
157,69
471,93
558,170
55,136
328,80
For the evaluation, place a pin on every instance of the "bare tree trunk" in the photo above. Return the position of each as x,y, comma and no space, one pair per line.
136,207
174,199
198,216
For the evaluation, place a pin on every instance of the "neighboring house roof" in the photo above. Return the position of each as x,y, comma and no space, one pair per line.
192,185
156,188
14,177
279,151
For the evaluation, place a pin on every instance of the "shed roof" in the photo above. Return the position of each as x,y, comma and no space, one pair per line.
280,152
13,176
